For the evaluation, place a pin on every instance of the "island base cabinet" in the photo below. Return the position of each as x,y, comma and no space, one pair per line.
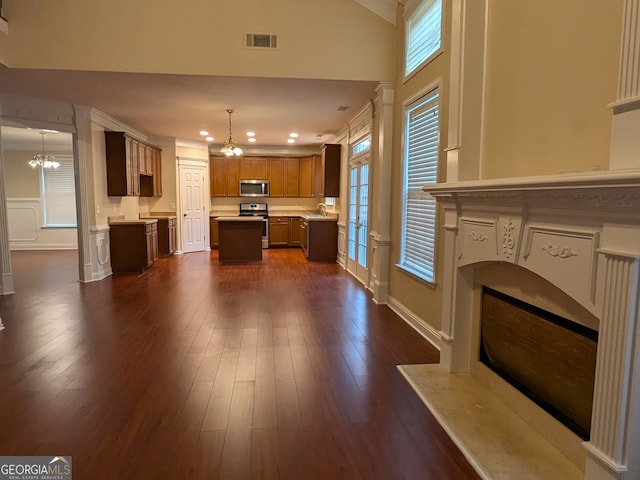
239,241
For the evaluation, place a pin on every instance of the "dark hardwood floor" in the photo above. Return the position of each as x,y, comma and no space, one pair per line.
283,369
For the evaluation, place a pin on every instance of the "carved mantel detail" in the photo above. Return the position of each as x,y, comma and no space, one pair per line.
559,251
507,239
478,236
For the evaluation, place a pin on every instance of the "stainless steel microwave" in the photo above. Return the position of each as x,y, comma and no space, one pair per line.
254,188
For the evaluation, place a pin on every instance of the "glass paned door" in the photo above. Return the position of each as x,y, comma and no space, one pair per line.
358,229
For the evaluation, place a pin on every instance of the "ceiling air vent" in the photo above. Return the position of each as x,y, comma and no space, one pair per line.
261,40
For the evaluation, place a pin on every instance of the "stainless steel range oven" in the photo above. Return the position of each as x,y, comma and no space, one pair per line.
258,210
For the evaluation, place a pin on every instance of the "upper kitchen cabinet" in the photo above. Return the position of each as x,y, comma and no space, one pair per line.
122,165
254,168
307,177
292,177
225,176
329,171
127,160
276,177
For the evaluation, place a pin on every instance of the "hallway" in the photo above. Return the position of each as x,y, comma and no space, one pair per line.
282,369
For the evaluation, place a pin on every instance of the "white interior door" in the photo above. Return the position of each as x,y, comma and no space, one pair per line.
358,226
192,208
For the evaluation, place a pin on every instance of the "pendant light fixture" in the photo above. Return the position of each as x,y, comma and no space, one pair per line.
230,148
44,160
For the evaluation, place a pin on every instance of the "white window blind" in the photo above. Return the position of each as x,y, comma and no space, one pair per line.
421,168
423,34
59,195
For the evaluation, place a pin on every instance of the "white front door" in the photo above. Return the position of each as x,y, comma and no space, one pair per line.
358,227
192,208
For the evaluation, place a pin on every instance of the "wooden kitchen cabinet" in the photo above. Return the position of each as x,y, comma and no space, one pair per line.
322,240
214,234
166,235
151,237
154,170
122,165
295,231
254,168
134,246
278,231
133,167
218,174
292,177
224,176
276,177
306,179
328,174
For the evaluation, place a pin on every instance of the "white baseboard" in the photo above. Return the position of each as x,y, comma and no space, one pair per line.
422,327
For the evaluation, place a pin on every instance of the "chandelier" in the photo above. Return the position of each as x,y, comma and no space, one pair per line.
231,148
44,160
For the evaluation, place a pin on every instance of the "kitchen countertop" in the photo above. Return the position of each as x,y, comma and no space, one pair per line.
306,214
151,217
316,217
120,220
239,219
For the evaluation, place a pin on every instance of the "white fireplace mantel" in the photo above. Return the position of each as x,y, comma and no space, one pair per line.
581,233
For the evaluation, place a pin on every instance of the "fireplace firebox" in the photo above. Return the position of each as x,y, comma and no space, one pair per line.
550,359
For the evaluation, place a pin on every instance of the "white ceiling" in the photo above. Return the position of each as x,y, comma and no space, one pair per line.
179,106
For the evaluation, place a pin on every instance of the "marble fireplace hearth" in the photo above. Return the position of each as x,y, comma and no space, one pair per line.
579,234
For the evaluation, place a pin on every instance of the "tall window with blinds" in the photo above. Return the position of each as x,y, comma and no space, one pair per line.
420,169
58,194
423,35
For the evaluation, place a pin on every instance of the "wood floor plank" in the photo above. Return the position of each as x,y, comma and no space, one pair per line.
280,369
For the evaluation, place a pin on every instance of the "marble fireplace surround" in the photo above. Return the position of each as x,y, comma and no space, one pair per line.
580,233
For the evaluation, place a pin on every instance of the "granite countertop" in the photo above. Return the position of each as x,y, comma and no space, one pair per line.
141,221
151,216
316,217
223,213
239,219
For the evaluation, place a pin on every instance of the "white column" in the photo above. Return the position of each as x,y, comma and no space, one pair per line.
612,452
83,154
6,276
382,156
625,142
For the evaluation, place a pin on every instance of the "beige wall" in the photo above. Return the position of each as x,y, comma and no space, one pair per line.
317,38
551,71
21,180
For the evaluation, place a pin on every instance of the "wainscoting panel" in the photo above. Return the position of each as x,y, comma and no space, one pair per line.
25,220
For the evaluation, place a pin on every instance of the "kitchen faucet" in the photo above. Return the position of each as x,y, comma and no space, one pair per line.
323,209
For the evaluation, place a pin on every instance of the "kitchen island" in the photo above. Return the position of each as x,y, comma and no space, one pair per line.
239,239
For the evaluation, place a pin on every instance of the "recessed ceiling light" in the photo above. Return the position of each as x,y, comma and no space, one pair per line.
251,134
209,139
291,140
252,139
293,135
204,133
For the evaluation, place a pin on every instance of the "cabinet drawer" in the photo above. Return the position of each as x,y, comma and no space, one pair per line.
278,219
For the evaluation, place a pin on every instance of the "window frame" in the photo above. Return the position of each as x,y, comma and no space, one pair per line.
416,101
411,10
69,161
